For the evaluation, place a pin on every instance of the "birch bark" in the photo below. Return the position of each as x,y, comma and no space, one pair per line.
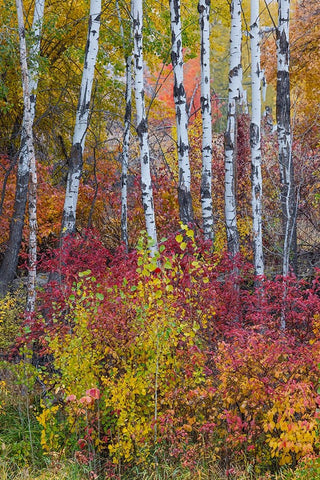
82,121
10,260
28,137
142,125
206,177
255,139
287,189
184,192
234,99
124,157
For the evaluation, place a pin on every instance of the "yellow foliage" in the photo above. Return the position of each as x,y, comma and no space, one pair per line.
11,308
291,425
76,355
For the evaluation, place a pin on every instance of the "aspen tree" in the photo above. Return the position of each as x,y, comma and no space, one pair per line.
126,136
184,191
142,124
10,260
255,139
82,121
29,153
206,177
234,99
287,187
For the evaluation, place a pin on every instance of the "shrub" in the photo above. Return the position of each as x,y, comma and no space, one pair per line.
188,368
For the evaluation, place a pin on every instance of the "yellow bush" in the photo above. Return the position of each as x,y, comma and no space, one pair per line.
11,308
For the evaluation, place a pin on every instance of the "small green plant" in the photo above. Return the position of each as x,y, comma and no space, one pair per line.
308,469
19,406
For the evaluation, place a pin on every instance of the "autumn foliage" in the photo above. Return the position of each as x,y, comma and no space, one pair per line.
140,367
162,360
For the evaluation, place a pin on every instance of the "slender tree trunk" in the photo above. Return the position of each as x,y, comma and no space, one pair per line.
10,261
234,99
126,137
184,192
82,120
287,189
28,136
142,125
255,139
206,178
125,155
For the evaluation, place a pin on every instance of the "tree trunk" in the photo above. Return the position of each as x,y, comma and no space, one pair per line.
10,261
82,120
255,140
234,99
124,157
184,192
142,125
28,135
287,189
206,178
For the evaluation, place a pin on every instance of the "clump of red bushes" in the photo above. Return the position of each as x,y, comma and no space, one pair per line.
190,363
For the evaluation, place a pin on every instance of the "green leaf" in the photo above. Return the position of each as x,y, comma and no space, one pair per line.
183,245
84,274
179,238
99,296
167,265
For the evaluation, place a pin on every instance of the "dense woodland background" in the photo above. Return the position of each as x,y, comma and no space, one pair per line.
159,323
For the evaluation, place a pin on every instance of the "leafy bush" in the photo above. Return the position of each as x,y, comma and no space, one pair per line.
11,309
162,361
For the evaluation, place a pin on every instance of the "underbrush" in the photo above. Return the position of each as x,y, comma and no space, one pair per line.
165,367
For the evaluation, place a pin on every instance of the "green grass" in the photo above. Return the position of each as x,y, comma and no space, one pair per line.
71,470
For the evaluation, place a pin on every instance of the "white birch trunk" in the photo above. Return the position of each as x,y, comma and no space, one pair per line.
34,53
206,178
82,120
28,137
142,125
287,193
234,99
255,139
184,191
10,260
33,75
124,157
